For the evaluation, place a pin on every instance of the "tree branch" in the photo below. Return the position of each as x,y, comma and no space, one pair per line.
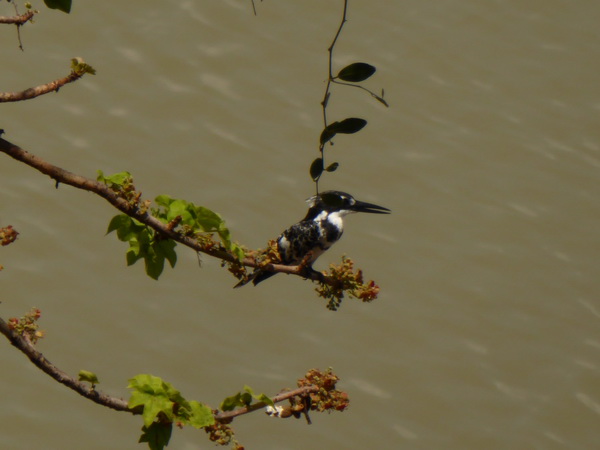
63,176
33,92
227,416
19,20
118,404
54,372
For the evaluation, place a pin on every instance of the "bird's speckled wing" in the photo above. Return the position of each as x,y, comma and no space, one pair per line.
303,237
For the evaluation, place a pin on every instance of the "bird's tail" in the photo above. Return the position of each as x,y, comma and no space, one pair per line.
256,277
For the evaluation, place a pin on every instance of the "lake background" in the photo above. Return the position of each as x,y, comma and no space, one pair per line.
487,330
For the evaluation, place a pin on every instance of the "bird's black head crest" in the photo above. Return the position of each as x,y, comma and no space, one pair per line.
329,200
340,201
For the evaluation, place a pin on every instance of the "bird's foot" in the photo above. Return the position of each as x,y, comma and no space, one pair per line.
309,272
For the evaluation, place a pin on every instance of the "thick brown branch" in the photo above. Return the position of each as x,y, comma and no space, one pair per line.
63,176
18,20
39,90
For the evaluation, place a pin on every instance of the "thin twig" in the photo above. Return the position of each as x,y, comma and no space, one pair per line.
325,100
373,94
226,416
20,19
33,92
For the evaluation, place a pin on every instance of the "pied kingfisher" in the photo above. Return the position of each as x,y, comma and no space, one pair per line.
320,229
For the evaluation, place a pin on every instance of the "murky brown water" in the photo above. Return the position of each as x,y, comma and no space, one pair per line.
486,333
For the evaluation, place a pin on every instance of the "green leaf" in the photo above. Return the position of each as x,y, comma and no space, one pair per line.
243,399
61,5
117,222
237,251
198,218
126,227
230,403
207,219
181,208
117,179
260,397
154,395
332,167
90,377
153,405
154,262
80,67
201,415
356,72
143,244
157,435
316,169
132,255
166,247
163,200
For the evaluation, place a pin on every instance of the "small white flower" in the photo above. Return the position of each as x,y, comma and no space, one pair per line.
274,411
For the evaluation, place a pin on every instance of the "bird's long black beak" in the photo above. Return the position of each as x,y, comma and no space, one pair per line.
369,208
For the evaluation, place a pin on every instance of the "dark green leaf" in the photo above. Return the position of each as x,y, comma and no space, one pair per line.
240,399
244,398
328,133
350,125
157,435
61,5
230,403
356,72
166,247
346,126
260,397
316,169
155,262
332,167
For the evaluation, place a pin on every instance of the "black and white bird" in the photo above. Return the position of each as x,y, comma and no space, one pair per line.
317,232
